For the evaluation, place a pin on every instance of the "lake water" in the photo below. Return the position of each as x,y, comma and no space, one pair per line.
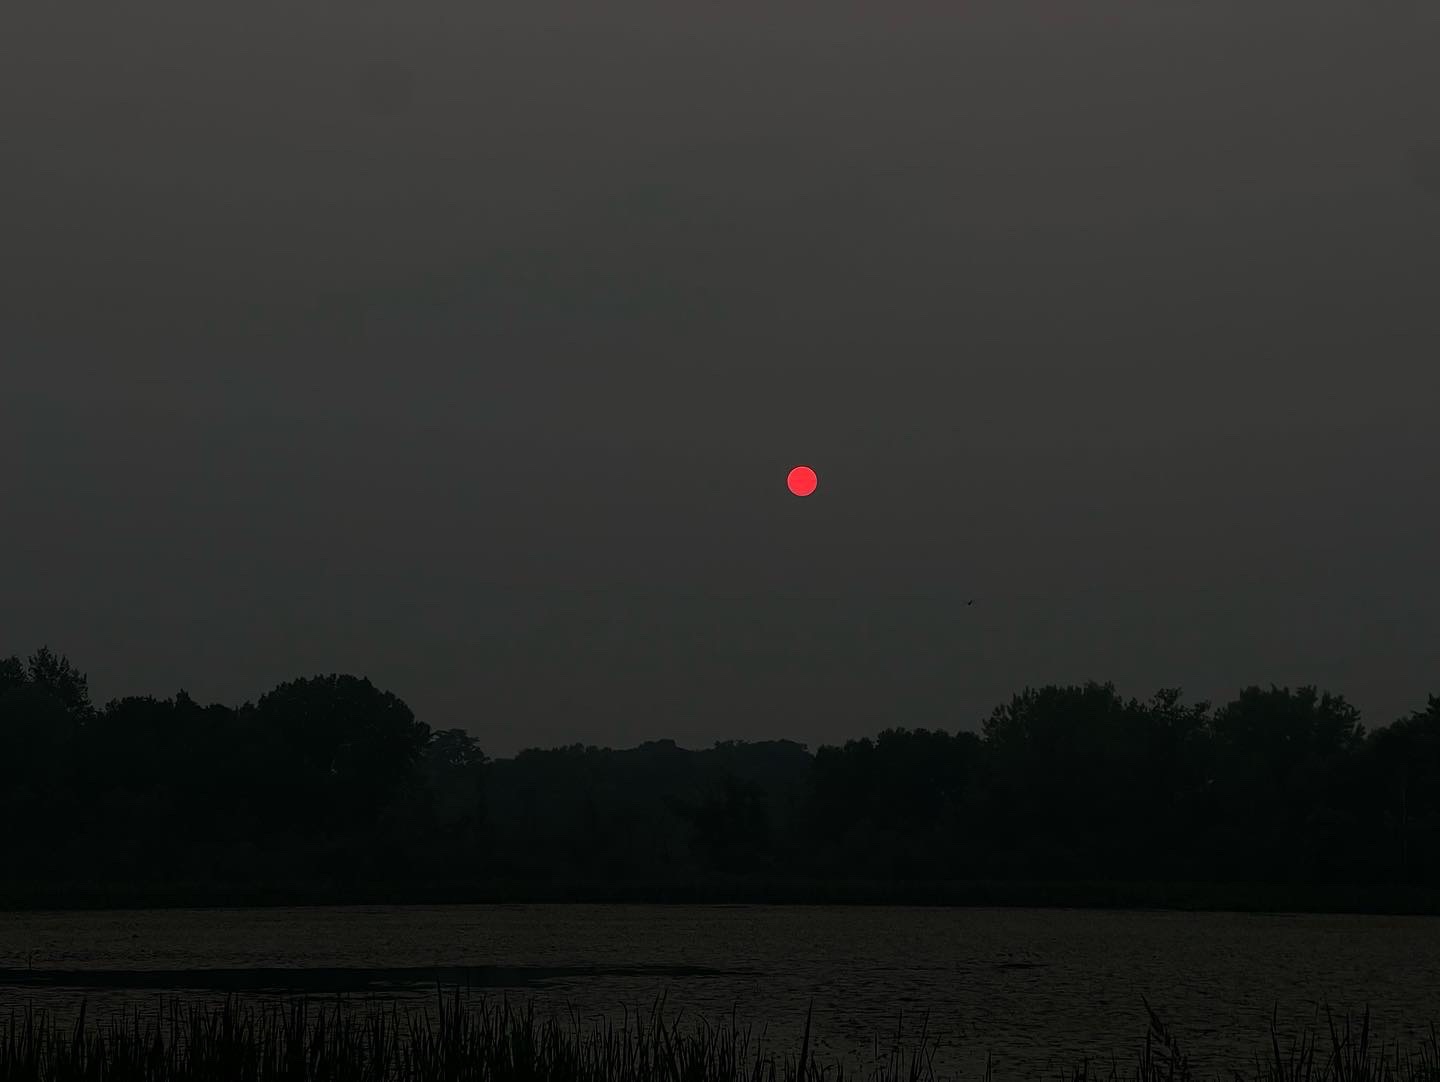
1038,988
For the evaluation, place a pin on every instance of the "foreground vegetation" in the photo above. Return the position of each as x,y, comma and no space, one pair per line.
493,1042
331,790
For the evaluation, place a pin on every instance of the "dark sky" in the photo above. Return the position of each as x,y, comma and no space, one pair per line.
466,346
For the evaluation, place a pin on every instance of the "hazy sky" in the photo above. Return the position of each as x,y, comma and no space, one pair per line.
466,346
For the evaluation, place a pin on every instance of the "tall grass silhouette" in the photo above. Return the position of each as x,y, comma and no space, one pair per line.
462,1039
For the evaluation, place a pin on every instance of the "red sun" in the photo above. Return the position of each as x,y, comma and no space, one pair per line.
802,480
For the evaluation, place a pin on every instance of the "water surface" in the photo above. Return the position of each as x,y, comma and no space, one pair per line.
1040,988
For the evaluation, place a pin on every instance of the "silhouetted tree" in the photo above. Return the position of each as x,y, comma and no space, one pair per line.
42,706
1406,790
905,804
452,767
333,780
1065,761
732,826
335,750
55,675
1278,753
12,674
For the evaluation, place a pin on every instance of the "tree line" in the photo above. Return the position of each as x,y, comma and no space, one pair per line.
332,779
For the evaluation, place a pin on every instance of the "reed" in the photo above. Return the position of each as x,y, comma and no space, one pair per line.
460,1039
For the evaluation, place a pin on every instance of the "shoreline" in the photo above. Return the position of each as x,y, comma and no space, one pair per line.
1274,898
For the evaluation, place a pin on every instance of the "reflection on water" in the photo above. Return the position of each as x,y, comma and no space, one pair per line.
1039,988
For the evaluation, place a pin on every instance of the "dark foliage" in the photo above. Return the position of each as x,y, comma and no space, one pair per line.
333,781
490,1041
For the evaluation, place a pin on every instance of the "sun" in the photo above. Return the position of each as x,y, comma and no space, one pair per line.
802,481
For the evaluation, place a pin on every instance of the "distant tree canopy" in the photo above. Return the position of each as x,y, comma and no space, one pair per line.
333,779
